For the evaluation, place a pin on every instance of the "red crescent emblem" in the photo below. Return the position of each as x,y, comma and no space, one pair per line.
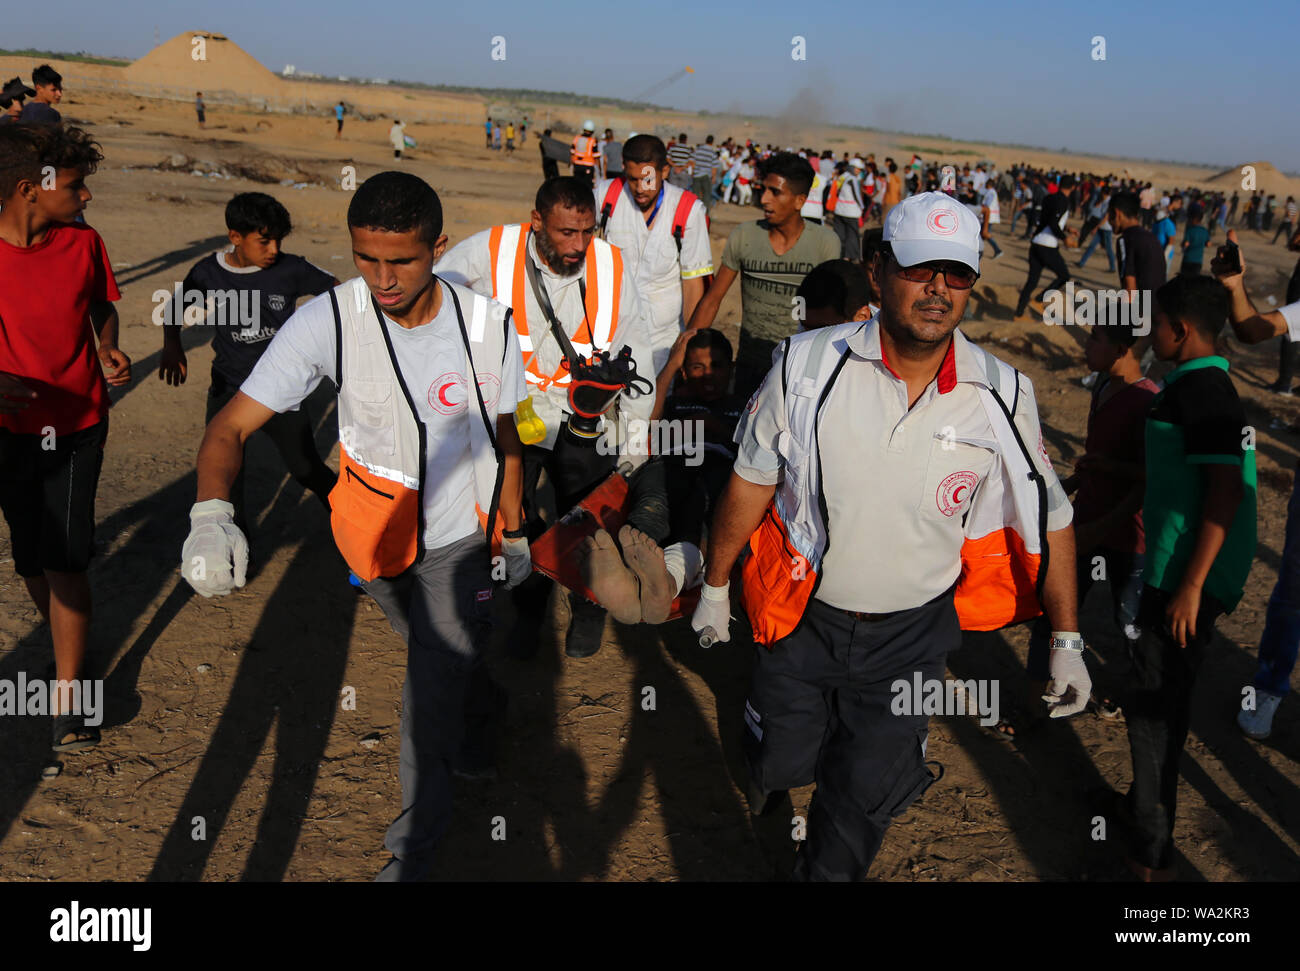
953,490
438,399
942,222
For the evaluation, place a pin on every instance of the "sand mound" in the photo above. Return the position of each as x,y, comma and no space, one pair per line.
225,67
1267,177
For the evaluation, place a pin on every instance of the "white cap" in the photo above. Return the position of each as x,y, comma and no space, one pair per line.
857,163
588,125
933,226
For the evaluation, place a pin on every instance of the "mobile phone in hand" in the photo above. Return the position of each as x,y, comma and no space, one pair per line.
1228,259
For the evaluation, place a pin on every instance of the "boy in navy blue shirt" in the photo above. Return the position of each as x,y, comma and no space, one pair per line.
247,293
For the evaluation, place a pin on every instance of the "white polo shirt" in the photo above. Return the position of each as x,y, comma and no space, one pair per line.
652,253
897,482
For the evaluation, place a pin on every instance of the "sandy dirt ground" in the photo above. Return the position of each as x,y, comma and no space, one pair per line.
226,714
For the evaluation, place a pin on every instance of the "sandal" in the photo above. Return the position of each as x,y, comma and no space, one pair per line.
1006,728
71,733
1105,708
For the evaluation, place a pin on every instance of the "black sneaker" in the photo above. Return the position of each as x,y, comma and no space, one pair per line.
1281,387
586,628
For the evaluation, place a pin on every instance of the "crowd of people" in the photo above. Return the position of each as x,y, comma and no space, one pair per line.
852,418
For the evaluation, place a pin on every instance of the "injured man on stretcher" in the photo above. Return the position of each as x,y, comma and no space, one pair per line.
637,574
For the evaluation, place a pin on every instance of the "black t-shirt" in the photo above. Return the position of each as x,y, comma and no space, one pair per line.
246,306
1051,212
1205,405
720,418
1140,256
40,113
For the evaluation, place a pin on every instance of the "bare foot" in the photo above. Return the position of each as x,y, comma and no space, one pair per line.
613,583
646,560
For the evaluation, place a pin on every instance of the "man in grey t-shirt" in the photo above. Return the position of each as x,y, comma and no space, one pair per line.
771,256
611,153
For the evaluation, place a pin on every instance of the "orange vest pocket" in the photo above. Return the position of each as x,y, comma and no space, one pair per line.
776,582
998,582
376,521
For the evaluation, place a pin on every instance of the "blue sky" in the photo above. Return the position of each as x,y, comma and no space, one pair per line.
1196,81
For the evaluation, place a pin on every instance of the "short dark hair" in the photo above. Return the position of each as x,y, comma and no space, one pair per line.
1127,203
714,340
682,137
837,285
873,241
1124,337
47,75
796,171
1201,301
397,202
645,150
26,149
568,191
253,212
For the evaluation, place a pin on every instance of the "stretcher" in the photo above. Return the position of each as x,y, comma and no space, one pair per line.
606,507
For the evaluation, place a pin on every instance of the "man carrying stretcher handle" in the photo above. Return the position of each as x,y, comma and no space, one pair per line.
893,489
428,375
565,287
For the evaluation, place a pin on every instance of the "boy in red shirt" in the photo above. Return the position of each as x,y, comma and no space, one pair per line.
53,399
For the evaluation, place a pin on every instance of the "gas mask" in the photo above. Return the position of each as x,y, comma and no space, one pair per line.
595,384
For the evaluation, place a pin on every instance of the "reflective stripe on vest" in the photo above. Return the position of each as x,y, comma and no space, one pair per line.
507,249
585,155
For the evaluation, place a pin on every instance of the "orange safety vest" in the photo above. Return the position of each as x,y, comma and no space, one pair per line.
508,248
833,196
586,155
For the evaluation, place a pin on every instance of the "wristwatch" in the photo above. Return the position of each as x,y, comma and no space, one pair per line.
519,533
1072,643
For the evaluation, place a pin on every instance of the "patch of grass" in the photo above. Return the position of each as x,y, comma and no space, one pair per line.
931,151
80,56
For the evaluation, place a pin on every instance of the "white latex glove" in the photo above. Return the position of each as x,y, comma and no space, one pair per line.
1070,687
214,559
712,617
519,561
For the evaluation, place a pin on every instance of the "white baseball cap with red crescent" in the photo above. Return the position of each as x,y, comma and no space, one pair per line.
933,226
